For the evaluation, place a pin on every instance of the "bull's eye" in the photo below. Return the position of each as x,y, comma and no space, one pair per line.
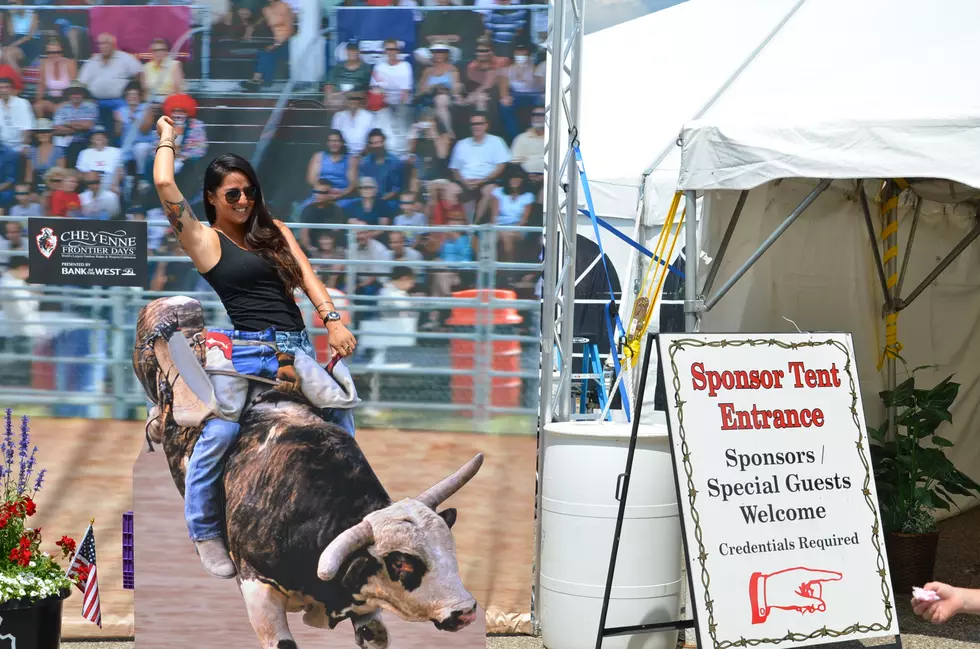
406,569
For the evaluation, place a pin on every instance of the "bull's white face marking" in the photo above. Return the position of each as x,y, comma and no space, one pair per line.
414,529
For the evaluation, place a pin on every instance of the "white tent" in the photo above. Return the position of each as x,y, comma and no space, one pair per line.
851,90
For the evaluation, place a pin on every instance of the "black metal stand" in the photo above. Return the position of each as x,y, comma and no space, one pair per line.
621,495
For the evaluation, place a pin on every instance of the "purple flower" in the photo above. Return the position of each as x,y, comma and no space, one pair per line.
40,480
25,442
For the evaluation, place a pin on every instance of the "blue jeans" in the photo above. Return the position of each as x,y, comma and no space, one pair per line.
202,490
269,61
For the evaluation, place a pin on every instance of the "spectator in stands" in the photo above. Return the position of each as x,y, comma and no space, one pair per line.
507,26
20,37
384,167
350,75
337,166
107,74
42,155
323,210
64,200
101,158
510,205
391,88
354,122
281,20
521,89
331,275
16,116
97,201
135,130
459,30
163,75
395,291
430,144
483,80
55,74
367,276
399,251
408,215
477,163
168,275
367,208
190,135
26,204
440,74
8,176
20,304
73,122
528,147
14,235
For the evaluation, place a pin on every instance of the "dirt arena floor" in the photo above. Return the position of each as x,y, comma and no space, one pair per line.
91,475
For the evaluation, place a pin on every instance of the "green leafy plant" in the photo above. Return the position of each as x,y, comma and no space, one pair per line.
914,479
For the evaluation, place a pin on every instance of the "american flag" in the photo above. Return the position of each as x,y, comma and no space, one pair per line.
85,558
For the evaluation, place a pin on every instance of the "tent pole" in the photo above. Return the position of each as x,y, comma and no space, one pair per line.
795,214
716,263
879,264
691,254
950,258
889,235
908,247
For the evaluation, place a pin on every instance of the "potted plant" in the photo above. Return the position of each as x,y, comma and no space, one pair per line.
32,584
914,477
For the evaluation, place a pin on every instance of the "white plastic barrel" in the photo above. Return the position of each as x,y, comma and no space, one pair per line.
582,461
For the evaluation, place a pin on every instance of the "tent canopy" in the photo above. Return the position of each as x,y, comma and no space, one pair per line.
877,88
850,91
644,78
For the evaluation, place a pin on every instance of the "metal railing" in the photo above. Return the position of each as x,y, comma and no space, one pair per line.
98,326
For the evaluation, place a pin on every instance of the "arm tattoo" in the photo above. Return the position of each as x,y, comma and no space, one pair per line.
175,210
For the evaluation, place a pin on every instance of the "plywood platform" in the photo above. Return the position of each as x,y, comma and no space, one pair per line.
90,474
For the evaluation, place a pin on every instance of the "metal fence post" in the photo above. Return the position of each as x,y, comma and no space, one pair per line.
117,359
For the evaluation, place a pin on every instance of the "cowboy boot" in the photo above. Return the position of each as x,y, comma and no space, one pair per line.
215,558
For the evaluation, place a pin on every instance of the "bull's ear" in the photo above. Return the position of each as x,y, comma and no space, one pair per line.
358,573
449,515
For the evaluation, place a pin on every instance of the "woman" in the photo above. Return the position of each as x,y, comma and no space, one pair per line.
254,264
951,601
54,76
162,75
441,74
42,155
337,166
510,205
20,37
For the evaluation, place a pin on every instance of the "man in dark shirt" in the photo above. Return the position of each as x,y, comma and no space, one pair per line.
323,210
350,75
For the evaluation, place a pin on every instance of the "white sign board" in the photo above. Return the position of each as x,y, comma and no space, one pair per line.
776,489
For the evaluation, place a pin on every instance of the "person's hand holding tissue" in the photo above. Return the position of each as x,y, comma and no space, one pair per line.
937,602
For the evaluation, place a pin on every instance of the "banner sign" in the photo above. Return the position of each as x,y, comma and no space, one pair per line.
135,27
87,252
776,489
370,29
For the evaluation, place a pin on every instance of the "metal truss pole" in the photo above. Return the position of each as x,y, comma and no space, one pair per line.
561,202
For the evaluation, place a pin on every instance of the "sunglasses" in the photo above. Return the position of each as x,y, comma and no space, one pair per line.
232,195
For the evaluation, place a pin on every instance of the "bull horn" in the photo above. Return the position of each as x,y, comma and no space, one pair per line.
342,547
441,492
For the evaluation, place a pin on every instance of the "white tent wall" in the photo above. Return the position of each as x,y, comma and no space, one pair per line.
821,274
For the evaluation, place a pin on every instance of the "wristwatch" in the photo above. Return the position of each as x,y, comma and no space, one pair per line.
332,316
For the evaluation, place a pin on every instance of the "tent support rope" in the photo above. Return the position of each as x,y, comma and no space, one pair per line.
795,214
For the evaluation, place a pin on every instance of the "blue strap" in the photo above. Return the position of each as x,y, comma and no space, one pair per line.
634,244
612,295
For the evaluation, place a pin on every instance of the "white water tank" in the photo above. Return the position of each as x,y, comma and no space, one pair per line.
582,461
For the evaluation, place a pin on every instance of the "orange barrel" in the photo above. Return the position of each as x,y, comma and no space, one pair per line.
505,391
42,372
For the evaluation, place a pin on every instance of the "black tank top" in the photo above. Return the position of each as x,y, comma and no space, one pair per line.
251,291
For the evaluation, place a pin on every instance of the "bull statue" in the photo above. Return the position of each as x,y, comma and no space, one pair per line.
307,522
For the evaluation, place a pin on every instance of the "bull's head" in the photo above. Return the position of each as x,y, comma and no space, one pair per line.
409,567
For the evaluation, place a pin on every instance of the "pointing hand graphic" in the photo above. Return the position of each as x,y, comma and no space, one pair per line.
793,589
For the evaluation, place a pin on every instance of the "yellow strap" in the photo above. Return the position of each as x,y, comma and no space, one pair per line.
892,347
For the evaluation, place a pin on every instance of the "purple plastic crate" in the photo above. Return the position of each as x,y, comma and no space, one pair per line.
128,556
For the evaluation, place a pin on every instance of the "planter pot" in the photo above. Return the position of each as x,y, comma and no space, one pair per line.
911,559
34,625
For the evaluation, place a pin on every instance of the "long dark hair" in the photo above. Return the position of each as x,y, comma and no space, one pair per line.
261,233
